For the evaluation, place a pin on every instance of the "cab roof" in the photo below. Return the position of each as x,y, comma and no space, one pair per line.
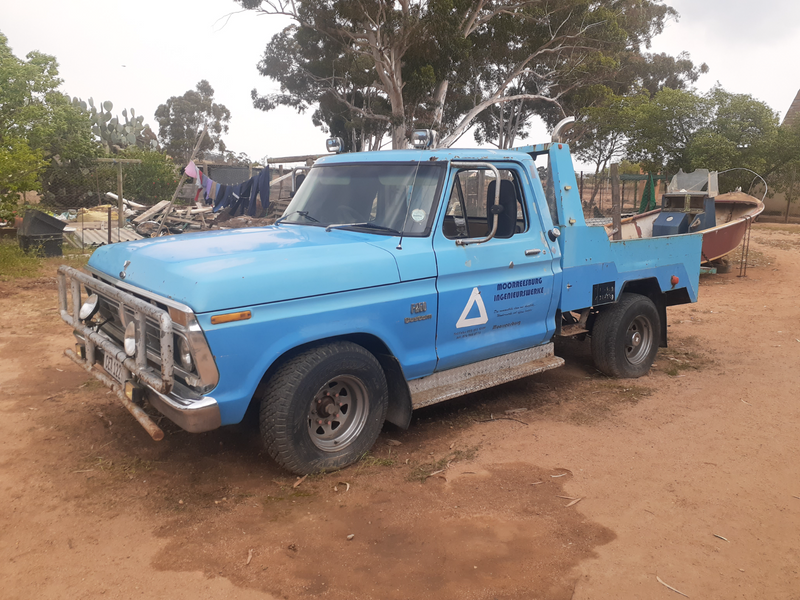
443,154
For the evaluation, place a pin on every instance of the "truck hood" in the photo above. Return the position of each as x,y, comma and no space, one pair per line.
228,269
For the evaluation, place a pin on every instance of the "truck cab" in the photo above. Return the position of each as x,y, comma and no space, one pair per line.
393,280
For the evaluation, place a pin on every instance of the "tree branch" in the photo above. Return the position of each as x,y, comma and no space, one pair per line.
466,121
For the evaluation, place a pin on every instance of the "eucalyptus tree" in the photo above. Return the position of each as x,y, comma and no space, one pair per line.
442,63
182,118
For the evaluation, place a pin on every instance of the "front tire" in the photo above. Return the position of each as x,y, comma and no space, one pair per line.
324,408
626,336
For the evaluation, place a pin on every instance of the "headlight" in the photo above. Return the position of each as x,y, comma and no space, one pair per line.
130,339
184,354
89,308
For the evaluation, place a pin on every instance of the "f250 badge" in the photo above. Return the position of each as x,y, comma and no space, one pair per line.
416,308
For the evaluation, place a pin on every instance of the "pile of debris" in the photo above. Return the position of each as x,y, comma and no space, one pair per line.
176,219
99,225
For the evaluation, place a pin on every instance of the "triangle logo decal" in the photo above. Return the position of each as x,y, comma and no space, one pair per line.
474,300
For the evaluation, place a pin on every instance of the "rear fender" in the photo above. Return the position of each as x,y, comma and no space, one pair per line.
651,289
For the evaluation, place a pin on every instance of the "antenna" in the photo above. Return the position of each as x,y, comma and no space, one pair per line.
408,208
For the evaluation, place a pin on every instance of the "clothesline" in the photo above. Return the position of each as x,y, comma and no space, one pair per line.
242,196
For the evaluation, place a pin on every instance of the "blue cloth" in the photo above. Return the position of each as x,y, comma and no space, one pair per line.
221,193
244,197
231,192
260,187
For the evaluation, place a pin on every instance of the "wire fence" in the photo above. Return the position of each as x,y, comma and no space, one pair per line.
80,197
595,192
85,199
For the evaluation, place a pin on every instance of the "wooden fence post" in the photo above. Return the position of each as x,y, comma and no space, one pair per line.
180,183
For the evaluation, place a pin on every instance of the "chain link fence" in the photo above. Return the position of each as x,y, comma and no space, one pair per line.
85,198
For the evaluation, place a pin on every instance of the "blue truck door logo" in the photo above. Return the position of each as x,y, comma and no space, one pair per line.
474,299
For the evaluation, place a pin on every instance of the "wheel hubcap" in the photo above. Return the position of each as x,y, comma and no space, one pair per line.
337,413
638,340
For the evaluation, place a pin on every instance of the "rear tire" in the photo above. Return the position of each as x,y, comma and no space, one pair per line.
626,336
324,408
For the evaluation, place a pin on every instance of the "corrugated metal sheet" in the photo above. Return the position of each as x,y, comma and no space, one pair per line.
99,237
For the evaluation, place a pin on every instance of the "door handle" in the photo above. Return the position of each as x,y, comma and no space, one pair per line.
533,252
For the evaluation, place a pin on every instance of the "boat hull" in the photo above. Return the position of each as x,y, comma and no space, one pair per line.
733,212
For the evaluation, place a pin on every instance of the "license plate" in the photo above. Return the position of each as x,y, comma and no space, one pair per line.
113,367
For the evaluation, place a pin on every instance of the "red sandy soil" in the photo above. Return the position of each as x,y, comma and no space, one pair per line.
703,448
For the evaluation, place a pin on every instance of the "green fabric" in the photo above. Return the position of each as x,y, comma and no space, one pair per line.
648,196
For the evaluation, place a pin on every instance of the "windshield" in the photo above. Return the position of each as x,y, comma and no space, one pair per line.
379,198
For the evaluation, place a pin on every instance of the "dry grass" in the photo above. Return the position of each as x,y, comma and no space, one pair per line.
16,264
682,355
600,400
422,471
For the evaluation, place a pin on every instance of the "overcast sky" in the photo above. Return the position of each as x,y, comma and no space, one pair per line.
139,53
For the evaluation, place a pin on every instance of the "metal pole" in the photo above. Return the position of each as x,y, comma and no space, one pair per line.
109,225
121,216
615,202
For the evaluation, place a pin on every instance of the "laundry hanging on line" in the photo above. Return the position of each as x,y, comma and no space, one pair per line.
241,196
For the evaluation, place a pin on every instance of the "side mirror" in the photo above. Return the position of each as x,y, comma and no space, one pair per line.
298,176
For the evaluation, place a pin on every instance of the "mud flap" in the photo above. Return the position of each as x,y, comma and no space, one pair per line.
399,412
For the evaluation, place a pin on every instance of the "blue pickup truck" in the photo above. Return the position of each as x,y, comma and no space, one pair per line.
394,280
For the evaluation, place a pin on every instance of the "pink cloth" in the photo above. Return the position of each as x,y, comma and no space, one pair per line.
191,170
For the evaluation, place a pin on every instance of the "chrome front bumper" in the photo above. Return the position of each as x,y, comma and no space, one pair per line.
194,414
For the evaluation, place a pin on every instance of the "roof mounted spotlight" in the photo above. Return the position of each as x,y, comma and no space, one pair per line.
424,139
334,144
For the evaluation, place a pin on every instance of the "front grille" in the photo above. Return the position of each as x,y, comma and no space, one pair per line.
114,324
114,321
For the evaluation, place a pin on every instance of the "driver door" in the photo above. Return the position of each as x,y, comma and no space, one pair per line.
495,297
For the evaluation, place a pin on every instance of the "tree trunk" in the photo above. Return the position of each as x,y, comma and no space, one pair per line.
595,189
399,137
790,195
438,99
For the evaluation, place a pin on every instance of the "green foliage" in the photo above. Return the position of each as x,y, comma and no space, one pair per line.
39,125
151,181
603,129
181,119
679,129
19,172
385,66
14,263
785,177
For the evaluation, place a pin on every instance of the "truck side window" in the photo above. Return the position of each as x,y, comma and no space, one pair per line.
468,208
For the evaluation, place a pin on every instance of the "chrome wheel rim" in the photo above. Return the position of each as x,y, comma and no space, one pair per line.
638,340
338,413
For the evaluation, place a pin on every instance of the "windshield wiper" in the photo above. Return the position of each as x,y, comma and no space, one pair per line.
369,225
302,213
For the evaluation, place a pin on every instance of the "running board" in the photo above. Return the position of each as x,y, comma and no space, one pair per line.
481,375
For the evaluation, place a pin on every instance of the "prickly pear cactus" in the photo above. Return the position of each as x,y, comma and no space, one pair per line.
112,132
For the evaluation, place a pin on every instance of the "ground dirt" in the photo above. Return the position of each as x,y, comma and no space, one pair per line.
690,476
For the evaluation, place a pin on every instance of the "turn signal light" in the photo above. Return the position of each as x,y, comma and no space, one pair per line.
674,280
227,318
